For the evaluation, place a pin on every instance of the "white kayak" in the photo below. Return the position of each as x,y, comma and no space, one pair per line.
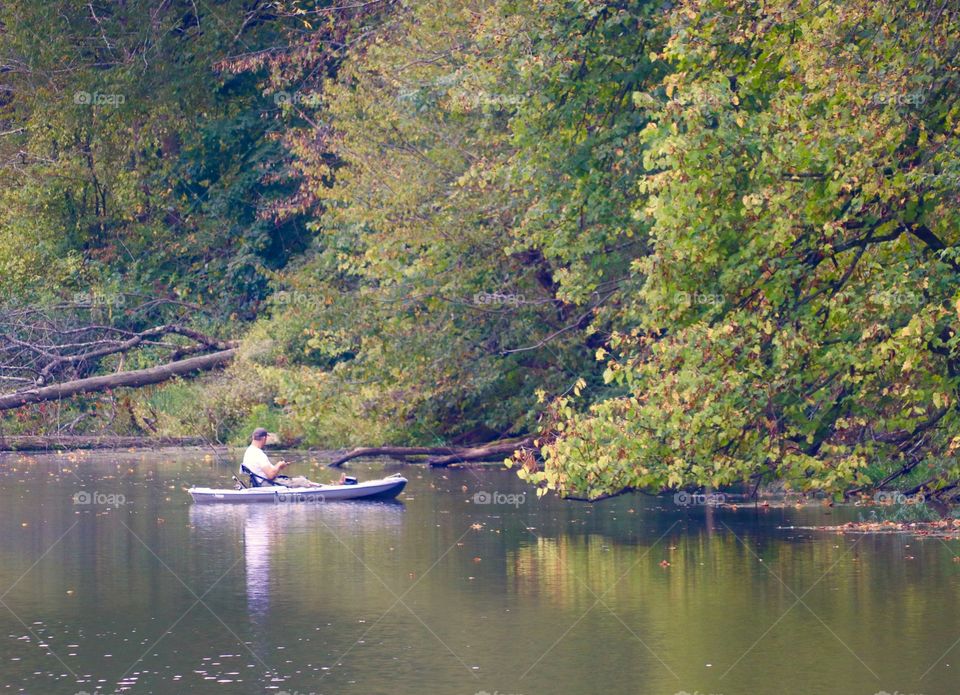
382,489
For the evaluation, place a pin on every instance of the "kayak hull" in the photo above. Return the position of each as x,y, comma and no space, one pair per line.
383,489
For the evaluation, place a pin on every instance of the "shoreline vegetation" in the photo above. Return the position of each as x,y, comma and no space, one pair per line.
72,442
430,456
632,245
887,513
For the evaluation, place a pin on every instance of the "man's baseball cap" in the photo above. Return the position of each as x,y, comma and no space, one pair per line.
259,433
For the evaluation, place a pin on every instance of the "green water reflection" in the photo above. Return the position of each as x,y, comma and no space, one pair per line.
140,591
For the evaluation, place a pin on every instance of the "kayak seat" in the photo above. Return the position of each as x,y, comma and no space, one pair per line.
259,480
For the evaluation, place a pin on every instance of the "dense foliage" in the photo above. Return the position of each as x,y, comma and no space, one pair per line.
799,310
452,279
133,163
691,243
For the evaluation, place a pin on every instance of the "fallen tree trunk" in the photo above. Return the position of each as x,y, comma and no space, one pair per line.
441,455
134,378
393,451
494,450
46,443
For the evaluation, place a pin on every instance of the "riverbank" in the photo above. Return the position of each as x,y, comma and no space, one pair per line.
57,443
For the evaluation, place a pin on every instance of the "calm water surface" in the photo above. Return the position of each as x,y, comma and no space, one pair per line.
141,591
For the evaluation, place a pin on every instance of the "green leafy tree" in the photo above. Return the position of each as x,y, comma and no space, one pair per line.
135,160
428,306
798,315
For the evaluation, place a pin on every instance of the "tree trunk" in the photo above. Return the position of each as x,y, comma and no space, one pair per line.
394,451
441,455
494,450
137,377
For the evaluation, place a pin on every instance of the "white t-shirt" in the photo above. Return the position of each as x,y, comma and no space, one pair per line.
253,459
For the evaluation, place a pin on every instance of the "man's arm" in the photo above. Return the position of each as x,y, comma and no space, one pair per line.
272,471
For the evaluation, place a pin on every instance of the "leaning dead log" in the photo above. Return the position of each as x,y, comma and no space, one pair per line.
131,379
492,451
53,442
440,455
391,451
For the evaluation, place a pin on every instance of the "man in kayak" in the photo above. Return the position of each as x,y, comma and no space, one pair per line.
256,461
